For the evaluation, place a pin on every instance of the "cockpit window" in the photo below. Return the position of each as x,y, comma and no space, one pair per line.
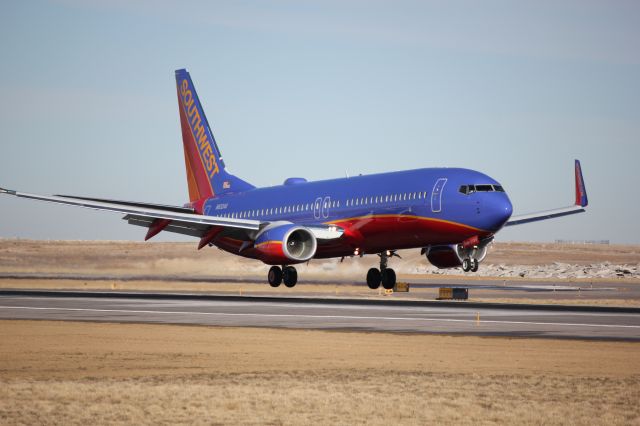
469,189
484,188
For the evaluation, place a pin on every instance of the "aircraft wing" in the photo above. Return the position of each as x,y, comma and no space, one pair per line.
156,217
180,220
578,207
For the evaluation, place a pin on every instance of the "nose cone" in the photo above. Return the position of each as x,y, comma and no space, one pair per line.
500,212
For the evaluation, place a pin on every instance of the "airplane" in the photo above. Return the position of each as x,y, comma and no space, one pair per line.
451,214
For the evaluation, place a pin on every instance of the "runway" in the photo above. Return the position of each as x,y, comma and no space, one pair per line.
485,288
418,317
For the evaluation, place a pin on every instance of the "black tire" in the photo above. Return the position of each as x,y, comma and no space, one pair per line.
290,276
275,276
374,278
388,278
474,265
466,265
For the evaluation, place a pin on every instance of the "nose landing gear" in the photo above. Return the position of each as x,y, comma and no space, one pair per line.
472,252
385,276
470,264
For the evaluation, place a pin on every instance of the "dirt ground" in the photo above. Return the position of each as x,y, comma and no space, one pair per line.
140,266
131,258
79,373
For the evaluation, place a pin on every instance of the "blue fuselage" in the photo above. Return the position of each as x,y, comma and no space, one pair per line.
387,211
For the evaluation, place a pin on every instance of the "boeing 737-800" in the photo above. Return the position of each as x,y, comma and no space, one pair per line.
450,214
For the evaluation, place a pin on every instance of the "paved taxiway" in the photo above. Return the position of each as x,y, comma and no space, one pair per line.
345,315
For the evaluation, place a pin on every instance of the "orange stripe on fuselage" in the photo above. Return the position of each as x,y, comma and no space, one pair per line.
403,216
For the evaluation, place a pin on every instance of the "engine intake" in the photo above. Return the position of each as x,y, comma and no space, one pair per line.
280,244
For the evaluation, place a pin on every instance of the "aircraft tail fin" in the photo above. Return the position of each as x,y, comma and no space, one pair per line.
206,174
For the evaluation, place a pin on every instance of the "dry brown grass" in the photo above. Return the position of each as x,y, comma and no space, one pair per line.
79,373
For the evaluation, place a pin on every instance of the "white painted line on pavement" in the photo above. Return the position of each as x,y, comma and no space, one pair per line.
126,311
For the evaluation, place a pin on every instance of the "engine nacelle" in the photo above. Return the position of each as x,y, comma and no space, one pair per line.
443,257
285,243
451,256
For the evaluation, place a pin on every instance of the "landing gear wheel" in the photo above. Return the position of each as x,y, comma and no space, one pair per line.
474,265
466,265
373,278
388,278
275,276
289,276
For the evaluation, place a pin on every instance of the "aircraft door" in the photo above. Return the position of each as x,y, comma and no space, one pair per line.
325,207
317,208
436,195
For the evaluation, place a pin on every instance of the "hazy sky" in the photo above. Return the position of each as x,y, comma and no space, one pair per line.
516,90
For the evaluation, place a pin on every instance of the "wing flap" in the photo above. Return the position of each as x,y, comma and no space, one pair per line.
177,227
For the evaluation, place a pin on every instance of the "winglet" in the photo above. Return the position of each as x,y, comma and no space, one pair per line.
581,190
7,191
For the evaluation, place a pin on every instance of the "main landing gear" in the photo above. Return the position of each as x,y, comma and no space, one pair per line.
287,274
384,275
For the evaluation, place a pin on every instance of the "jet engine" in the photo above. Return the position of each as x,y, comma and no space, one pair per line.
453,256
285,244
